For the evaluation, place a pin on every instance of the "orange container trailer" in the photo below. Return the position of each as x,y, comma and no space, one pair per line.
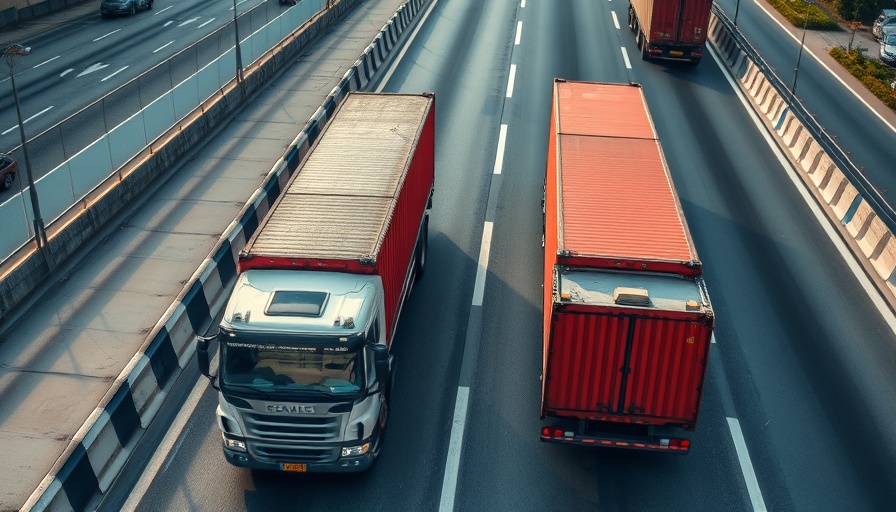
627,319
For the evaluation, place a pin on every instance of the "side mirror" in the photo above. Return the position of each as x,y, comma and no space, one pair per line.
202,356
381,362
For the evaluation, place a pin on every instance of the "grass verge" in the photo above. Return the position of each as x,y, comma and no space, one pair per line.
795,12
874,74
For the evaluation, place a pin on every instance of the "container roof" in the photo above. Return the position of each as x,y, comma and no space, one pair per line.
618,201
340,202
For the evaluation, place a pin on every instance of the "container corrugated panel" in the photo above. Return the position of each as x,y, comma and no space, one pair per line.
694,21
626,367
359,198
675,22
616,202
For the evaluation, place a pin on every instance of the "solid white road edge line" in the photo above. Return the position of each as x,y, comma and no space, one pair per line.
823,220
615,19
168,443
499,157
455,446
519,33
482,267
628,63
746,467
510,80
404,48
825,66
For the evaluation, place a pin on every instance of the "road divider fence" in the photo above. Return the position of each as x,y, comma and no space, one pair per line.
864,219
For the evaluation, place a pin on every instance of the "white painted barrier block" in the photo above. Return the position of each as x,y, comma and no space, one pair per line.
840,202
144,387
789,119
794,129
875,238
803,140
861,221
811,158
885,262
822,172
757,85
103,450
762,96
775,108
750,75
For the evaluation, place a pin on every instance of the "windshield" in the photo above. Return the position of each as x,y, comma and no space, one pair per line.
267,368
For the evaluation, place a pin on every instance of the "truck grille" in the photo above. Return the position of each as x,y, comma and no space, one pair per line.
294,438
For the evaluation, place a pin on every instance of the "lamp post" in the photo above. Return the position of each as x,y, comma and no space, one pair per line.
796,70
11,52
736,10
239,57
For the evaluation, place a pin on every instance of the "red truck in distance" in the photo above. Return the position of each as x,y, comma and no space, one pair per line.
305,368
627,318
670,29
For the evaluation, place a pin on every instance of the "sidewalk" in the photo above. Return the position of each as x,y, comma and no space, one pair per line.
61,358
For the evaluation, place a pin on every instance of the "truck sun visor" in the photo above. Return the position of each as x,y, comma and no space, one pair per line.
296,303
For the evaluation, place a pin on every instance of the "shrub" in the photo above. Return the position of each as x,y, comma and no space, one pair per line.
874,75
795,12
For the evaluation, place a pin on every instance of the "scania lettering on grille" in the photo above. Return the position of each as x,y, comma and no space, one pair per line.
292,409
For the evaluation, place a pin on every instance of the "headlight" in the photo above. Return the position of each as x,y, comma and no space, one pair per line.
239,446
354,451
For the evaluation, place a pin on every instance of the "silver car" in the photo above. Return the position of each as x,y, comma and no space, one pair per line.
888,48
887,17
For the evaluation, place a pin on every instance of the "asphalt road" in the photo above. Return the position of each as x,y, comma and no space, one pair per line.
79,62
803,360
867,139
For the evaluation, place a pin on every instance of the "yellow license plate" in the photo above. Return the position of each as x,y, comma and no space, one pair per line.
295,468
676,53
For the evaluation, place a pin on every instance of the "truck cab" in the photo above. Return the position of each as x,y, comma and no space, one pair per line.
304,371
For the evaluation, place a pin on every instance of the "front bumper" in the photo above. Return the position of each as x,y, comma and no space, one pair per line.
245,459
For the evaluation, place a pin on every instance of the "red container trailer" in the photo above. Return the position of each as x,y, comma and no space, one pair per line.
627,319
305,369
670,29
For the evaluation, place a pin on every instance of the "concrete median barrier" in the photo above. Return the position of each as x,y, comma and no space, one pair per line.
99,450
866,233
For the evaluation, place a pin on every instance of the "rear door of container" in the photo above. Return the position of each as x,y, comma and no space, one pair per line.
666,366
693,21
626,365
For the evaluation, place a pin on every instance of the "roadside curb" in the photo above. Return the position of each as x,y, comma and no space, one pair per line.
100,448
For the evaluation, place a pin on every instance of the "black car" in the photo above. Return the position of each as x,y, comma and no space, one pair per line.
111,8
8,170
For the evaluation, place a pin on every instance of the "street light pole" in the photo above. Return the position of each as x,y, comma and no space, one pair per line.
239,57
10,52
796,70
736,10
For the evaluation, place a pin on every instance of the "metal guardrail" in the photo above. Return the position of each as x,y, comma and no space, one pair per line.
864,186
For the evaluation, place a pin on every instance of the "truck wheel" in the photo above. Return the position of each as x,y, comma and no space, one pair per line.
422,248
631,19
645,55
8,181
